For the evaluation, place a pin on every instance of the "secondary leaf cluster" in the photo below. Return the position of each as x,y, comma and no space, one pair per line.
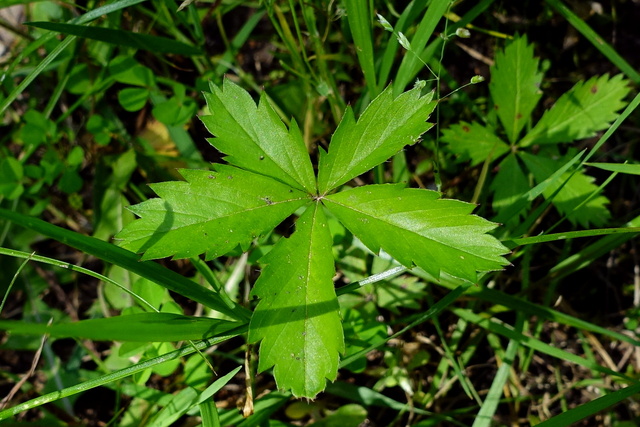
269,177
586,108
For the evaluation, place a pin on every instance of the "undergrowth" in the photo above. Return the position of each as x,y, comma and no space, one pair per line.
327,241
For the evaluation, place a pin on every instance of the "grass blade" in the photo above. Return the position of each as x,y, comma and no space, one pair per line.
120,38
118,256
581,412
488,408
597,41
138,327
411,63
359,19
568,235
509,331
119,374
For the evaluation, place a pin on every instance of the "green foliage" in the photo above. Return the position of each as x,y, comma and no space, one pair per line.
212,213
384,128
579,113
297,317
96,105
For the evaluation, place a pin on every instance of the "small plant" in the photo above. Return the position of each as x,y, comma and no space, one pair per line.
579,113
270,177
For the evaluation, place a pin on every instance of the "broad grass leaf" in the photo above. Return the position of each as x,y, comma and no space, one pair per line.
580,112
121,38
298,317
386,126
628,168
416,227
473,141
254,137
574,192
515,86
139,327
212,213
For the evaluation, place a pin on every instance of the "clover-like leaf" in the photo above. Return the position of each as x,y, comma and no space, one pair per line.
385,127
515,85
298,317
580,112
473,141
254,137
212,213
415,226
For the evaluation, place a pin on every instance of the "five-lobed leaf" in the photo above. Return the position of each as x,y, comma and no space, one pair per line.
270,176
298,317
212,213
473,141
580,112
385,127
515,86
416,227
254,137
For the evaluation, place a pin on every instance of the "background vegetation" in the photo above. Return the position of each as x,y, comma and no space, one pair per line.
99,99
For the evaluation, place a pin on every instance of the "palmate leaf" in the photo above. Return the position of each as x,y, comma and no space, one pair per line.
254,137
212,213
298,317
473,141
580,112
384,128
416,227
515,86
574,192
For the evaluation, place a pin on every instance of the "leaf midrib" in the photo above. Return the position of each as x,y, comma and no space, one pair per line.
395,226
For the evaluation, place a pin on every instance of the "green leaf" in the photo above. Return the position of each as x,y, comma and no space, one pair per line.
582,111
133,98
153,44
515,86
254,137
383,129
472,141
509,183
125,69
574,192
298,317
174,112
145,327
359,20
632,169
11,174
211,213
415,226
70,181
